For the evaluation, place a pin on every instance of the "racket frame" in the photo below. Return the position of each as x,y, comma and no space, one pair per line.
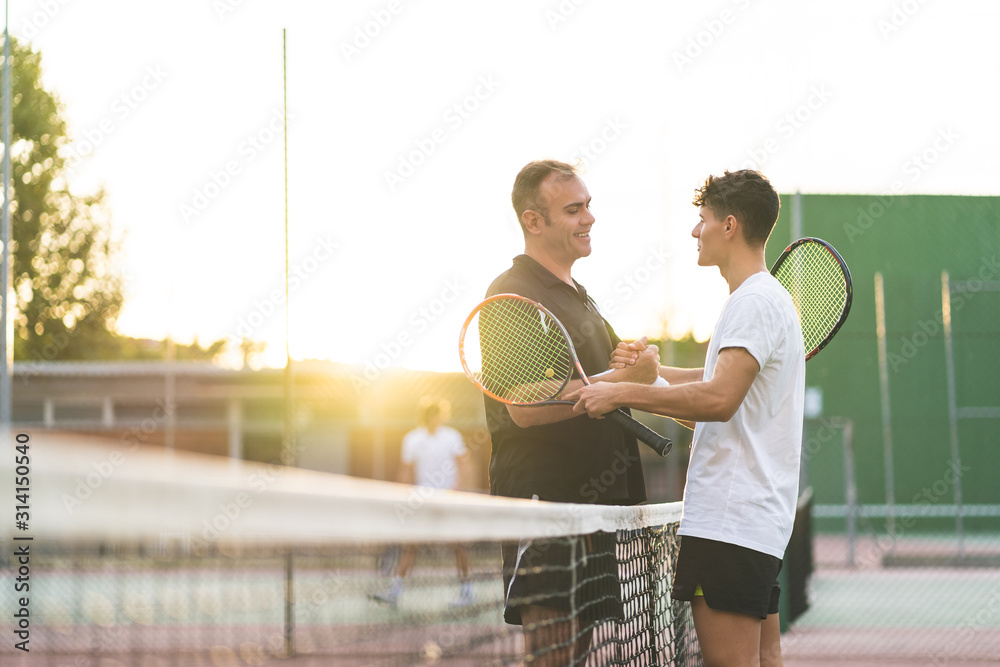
848,285
643,433
552,400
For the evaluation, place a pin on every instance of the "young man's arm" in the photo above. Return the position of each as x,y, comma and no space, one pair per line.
643,372
626,354
681,375
717,399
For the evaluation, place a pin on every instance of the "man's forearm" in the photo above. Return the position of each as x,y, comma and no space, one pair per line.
545,414
551,414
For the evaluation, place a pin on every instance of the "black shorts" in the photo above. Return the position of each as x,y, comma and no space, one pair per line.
732,578
539,572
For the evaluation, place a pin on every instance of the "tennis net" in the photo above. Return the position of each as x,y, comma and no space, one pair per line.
151,557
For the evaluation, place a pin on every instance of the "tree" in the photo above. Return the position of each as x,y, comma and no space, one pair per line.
68,296
68,293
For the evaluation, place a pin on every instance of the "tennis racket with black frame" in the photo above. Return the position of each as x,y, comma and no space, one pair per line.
517,352
819,282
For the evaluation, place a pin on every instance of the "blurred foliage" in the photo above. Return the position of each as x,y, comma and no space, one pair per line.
684,352
144,349
69,295
250,352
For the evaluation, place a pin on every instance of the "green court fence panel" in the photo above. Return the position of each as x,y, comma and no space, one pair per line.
910,240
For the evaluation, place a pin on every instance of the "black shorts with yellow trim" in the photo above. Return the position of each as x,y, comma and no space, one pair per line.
730,577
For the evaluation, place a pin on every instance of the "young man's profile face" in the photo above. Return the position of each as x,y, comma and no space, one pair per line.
710,232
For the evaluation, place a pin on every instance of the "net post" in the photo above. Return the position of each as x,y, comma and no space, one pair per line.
288,445
170,391
289,603
851,490
883,376
949,358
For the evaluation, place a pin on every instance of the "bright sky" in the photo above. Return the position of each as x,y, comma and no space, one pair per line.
409,120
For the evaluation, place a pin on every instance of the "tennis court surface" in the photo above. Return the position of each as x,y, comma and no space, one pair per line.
895,616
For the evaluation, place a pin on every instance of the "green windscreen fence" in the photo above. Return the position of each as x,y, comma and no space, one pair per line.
910,240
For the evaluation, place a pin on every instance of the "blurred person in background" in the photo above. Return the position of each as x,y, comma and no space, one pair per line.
434,457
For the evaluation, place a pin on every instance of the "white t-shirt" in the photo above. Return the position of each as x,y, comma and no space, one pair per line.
743,476
433,456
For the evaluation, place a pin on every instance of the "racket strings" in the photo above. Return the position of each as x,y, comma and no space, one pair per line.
816,282
524,360
540,345
504,367
525,355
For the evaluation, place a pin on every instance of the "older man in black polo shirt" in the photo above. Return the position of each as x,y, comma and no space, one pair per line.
548,452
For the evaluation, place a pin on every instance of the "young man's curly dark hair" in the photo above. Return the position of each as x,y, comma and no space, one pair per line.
746,195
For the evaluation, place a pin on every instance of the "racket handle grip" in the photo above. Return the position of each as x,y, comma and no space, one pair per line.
660,444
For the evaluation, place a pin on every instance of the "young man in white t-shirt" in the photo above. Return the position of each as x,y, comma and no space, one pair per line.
742,484
433,457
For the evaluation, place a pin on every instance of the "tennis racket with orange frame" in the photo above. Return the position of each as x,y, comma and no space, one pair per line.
517,352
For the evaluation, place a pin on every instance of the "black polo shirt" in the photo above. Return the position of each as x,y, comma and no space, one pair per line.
580,460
